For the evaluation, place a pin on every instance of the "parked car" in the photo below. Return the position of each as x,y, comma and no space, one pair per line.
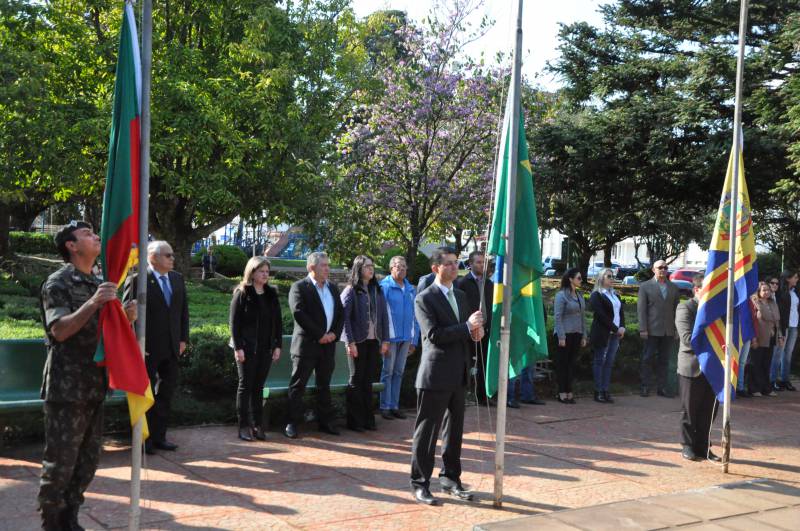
684,287
630,270
596,267
685,274
557,264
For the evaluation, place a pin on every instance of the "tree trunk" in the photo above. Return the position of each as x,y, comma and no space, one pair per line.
411,258
584,257
5,248
607,248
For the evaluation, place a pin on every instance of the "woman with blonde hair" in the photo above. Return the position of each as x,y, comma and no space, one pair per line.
256,336
768,334
608,328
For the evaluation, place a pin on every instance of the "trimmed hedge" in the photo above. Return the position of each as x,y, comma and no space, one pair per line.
32,243
230,259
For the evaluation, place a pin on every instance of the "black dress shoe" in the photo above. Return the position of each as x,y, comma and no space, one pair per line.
714,457
330,430
385,413
423,495
148,448
371,427
245,434
788,386
259,434
664,393
534,401
458,491
689,454
607,397
570,401
290,431
396,413
357,429
599,397
513,405
165,445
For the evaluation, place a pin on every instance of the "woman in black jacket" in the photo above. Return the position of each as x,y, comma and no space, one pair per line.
608,328
256,335
366,336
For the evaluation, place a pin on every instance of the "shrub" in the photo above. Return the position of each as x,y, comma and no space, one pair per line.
32,243
22,312
231,260
9,287
208,370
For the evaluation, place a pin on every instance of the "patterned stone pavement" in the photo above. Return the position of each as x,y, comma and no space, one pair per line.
558,457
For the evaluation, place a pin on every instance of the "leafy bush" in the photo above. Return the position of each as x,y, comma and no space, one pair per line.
769,264
231,260
209,371
32,243
22,312
11,287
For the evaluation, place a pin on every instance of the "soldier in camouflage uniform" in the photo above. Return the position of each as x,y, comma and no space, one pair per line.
73,386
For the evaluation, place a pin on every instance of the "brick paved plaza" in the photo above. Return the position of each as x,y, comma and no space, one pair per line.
558,457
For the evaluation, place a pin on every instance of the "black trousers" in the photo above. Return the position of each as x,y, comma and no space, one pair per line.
697,402
358,395
655,360
322,366
435,410
163,373
566,357
253,373
760,361
73,434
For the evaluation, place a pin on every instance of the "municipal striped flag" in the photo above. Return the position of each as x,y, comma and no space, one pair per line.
528,341
708,336
118,349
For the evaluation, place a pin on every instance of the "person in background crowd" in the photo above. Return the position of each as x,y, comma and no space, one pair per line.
448,331
570,329
256,338
166,337
403,335
523,387
658,298
318,321
697,396
744,356
768,335
608,329
479,288
74,385
788,301
366,337
209,264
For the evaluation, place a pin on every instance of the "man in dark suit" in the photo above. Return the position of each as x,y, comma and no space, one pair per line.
697,396
477,289
318,321
658,298
165,340
448,331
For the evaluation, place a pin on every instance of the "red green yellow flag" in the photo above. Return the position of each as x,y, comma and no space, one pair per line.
118,349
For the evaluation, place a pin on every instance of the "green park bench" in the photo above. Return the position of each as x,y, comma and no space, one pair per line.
21,366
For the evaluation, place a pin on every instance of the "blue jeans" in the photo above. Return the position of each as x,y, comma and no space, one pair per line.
525,383
394,363
782,357
743,355
603,362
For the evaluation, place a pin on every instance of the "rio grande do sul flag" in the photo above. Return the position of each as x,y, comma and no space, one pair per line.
118,349
708,336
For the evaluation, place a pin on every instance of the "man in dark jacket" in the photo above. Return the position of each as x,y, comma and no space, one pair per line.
166,337
318,321
448,331
697,396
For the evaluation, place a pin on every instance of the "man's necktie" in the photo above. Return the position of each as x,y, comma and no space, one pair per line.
451,298
166,289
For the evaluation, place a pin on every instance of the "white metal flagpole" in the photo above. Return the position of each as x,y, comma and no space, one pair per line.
737,144
505,323
144,212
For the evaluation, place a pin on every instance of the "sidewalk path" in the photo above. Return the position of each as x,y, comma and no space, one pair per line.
558,457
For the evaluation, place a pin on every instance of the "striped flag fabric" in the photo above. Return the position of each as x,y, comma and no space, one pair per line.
528,341
708,336
118,349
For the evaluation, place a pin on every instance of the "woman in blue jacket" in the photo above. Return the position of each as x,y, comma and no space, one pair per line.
366,336
403,335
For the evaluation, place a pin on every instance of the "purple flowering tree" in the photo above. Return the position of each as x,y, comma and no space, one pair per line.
416,161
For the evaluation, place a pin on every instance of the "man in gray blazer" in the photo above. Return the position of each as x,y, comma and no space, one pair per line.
697,396
448,331
658,298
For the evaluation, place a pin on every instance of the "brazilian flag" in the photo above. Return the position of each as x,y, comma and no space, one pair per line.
528,335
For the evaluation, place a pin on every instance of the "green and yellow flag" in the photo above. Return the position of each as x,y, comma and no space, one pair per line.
528,335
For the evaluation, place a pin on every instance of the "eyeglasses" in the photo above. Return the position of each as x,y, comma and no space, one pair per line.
773,283
661,268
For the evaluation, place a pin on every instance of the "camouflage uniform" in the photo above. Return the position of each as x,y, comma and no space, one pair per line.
73,389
